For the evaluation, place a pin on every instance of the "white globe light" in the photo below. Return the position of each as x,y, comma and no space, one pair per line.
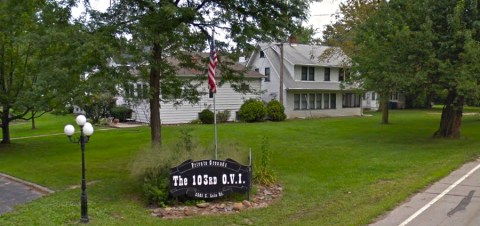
69,130
88,129
81,120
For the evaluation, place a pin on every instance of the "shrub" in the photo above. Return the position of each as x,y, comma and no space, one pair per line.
156,185
121,113
223,116
196,121
263,174
252,111
276,111
206,116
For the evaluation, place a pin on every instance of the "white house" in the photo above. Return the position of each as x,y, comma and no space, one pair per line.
370,101
311,86
226,98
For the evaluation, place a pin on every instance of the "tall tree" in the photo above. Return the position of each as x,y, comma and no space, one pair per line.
343,32
17,34
456,51
42,56
385,54
159,30
424,45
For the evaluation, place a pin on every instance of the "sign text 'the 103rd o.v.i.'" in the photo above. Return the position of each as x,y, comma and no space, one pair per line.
207,179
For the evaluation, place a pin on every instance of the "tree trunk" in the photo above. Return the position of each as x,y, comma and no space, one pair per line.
451,120
155,122
5,125
33,119
384,107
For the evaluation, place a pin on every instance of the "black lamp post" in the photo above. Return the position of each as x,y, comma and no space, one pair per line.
86,130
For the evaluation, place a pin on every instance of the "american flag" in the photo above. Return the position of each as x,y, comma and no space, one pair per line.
211,69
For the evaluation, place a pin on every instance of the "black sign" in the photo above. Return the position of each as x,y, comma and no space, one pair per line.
209,178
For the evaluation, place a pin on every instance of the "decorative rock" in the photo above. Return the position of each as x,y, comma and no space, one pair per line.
188,212
203,205
261,205
155,214
157,210
238,206
263,197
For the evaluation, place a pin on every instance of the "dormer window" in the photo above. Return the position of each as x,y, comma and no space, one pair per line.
308,73
327,74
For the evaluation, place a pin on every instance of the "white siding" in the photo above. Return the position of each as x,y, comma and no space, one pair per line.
370,101
226,99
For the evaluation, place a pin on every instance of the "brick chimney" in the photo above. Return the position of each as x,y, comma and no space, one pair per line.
292,40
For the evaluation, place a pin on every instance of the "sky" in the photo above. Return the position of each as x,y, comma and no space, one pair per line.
321,13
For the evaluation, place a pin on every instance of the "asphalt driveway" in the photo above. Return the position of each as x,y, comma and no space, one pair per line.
14,191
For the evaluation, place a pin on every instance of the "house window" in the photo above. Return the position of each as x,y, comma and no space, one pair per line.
327,74
394,96
308,74
311,101
318,100
374,96
314,101
145,92
326,101
262,54
350,100
267,74
343,74
296,102
237,116
257,69
303,102
333,101
311,74
129,90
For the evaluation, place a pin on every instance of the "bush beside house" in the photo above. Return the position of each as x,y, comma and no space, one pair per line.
276,111
252,111
121,113
206,116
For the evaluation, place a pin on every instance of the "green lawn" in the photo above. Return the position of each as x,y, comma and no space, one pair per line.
335,171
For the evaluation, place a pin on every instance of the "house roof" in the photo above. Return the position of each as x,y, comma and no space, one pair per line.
236,66
301,54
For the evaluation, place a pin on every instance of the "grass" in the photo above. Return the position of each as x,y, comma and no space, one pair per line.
335,171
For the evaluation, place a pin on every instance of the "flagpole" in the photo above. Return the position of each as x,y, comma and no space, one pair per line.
214,99
215,125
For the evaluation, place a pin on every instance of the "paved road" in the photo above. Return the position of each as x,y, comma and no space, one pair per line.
14,191
453,201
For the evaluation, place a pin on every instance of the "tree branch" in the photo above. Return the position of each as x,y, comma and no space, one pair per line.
202,4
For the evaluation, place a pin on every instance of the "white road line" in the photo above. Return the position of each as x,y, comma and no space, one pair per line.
439,196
